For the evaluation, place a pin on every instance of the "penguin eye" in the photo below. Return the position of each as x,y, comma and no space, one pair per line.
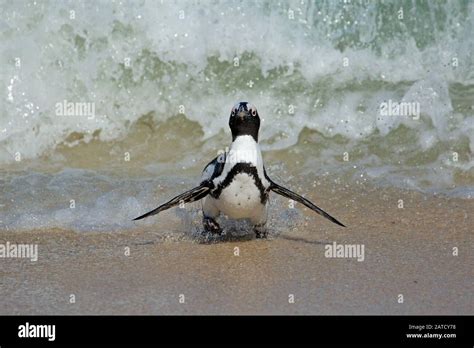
254,112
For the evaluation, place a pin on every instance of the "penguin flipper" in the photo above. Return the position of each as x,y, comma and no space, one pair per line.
296,197
192,195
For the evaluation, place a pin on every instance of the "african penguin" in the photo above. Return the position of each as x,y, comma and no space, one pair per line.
235,183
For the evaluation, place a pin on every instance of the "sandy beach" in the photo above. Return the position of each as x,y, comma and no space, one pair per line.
408,251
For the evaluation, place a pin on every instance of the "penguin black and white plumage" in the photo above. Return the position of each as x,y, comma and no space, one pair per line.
235,183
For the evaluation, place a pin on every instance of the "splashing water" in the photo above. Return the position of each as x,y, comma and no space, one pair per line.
158,79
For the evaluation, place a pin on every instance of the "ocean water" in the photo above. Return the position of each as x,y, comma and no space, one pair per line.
108,108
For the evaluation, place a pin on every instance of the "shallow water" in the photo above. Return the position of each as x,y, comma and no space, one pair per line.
159,79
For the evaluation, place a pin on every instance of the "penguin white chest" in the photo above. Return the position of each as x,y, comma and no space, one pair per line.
241,198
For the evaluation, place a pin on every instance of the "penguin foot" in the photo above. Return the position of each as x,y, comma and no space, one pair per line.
211,225
260,231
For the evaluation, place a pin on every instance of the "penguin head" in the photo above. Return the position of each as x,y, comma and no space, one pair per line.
244,120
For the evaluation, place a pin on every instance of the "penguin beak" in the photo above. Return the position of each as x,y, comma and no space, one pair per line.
242,115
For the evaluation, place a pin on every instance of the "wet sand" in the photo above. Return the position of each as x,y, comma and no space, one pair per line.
408,251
